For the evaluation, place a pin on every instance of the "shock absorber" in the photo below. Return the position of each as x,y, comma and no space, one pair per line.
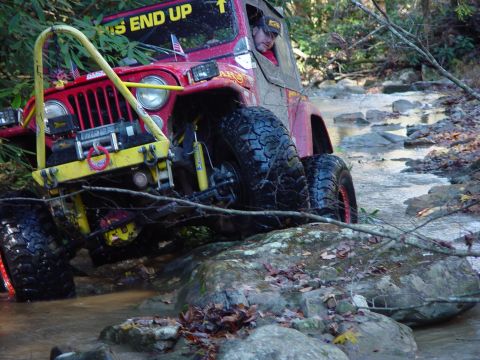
200,164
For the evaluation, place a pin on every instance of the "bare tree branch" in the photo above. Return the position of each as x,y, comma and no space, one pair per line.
468,298
413,42
424,243
353,46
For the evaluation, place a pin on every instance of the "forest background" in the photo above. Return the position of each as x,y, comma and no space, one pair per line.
330,37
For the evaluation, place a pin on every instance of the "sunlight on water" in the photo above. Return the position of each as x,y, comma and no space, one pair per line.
381,184
30,330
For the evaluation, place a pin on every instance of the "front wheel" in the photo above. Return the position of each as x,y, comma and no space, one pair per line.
331,189
32,265
270,173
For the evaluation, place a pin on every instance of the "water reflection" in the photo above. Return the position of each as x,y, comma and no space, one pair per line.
383,102
30,330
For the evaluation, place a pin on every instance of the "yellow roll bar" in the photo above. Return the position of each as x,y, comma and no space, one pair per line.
119,84
153,86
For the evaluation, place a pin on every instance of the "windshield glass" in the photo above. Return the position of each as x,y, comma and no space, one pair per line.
195,24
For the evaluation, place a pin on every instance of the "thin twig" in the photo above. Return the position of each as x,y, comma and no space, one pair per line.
422,243
415,44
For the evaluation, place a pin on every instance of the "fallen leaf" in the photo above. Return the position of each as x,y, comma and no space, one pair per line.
348,335
306,289
327,256
465,198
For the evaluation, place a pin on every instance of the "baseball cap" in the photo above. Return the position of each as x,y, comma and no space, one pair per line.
269,24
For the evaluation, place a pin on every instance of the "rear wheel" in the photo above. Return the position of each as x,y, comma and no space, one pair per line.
269,171
331,189
32,266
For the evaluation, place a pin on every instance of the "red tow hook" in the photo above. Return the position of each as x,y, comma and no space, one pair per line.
100,164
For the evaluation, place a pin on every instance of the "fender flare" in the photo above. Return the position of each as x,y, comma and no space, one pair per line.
309,131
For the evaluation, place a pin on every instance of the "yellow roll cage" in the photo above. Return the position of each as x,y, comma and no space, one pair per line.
98,58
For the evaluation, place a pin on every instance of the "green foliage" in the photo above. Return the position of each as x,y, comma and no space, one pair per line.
15,170
368,217
447,54
320,29
464,11
21,22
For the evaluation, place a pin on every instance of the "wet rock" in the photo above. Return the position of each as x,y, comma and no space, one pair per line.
377,338
419,142
393,138
328,273
269,301
273,342
100,353
417,278
317,303
386,127
372,140
430,74
342,89
391,87
143,334
457,113
409,76
377,115
350,87
416,131
309,324
367,140
351,119
403,106
441,199
285,265
345,307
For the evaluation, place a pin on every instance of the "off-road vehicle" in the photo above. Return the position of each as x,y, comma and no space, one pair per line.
211,121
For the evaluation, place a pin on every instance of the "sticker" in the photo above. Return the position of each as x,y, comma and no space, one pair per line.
245,61
221,6
153,19
95,75
235,76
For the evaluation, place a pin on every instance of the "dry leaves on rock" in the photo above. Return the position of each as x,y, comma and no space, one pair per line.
204,326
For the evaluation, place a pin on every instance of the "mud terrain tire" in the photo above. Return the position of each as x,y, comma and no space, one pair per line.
270,171
331,188
34,264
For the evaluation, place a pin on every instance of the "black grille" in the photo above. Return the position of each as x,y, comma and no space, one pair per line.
100,106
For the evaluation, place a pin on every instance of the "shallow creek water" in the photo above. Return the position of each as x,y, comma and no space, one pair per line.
29,331
381,184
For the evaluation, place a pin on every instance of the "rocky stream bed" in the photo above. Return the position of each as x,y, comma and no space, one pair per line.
317,291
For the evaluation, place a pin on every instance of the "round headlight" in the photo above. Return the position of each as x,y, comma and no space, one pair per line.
157,120
53,109
152,99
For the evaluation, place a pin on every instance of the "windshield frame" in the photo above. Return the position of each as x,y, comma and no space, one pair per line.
113,20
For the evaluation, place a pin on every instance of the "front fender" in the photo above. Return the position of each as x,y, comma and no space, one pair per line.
309,131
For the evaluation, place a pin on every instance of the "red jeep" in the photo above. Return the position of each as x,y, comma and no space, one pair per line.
210,121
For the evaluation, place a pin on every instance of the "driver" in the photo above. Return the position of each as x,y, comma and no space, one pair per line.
264,34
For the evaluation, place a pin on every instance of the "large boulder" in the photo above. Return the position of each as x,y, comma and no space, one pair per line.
376,116
373,140
281,269
320,282
378,338
391,87
404,106
273,342
351,119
